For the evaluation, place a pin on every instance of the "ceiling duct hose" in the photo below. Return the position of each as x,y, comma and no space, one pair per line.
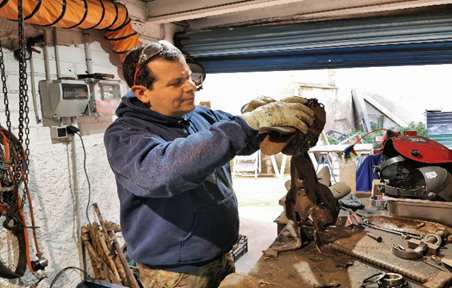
107,15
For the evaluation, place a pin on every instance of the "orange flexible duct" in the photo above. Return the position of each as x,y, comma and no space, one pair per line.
106,15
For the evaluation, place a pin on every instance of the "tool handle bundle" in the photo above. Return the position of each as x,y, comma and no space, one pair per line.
107,259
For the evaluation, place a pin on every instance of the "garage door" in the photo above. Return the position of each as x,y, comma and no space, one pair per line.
368,42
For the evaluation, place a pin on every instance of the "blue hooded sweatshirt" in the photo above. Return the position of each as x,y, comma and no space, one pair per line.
178,210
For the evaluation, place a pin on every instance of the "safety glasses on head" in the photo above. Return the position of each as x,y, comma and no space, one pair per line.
150,50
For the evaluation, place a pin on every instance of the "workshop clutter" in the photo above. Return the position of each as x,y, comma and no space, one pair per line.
416,179
415,166
106,255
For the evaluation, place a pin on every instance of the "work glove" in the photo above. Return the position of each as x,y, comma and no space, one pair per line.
296,99
256,103
288,112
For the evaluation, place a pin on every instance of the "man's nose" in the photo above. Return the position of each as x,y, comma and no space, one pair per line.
190,84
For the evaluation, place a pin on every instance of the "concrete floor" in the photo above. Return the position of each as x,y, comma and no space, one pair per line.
258,207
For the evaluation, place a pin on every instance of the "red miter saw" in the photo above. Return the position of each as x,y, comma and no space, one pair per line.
415,167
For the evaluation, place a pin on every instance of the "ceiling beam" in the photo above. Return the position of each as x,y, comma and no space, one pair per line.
167,11
208,14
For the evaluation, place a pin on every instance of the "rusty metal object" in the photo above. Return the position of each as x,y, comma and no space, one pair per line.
367,223
375,237
309,204
413,275
288,239
393,280
441,280
417,253
432,248
308,200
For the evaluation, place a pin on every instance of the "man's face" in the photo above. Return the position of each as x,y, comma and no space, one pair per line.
173,92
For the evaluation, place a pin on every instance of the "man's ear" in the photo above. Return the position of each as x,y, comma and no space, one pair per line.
139,91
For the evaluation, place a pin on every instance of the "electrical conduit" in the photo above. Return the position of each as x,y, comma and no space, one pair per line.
107,15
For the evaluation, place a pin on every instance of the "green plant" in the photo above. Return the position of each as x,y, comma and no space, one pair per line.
412,126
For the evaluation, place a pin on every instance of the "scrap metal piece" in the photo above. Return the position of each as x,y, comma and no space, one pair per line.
416,253
375,237
392,280
374,279
413,275
288,239
432,248
310,204
367,223
308,200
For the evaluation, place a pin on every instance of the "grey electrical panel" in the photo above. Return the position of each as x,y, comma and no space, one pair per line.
63,98
105,96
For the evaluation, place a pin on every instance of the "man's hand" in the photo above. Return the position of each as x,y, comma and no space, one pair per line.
288,112
256,103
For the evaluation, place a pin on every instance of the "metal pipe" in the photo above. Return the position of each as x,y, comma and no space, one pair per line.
88,58
76,198
46,54
33,90
57,54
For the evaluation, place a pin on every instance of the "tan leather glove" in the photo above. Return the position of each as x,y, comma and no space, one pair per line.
280,114
257,102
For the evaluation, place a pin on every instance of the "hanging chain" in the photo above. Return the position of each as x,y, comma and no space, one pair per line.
23,98
5,88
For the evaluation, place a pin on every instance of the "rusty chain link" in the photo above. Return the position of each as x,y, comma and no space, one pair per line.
23,96
5,88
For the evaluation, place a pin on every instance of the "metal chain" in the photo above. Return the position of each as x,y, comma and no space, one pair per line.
9,198
23,98
5,88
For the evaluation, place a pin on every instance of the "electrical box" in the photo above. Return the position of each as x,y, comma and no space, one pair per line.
58,132
63,98
105,96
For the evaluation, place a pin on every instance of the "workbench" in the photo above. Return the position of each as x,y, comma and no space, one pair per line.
322,266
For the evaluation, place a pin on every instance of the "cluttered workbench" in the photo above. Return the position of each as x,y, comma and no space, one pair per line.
328,237
361,256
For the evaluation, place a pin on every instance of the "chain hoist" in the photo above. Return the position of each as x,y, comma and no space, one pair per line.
23,89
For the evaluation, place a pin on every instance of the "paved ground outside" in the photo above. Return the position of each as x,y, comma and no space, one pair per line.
258,207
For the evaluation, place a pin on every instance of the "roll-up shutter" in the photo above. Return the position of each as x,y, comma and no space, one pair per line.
366,42
439,127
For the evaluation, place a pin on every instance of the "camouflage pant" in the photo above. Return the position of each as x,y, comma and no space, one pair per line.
207,276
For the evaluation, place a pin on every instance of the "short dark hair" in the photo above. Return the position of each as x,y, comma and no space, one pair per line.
146,77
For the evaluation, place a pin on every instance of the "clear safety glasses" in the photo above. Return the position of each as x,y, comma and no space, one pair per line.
149,51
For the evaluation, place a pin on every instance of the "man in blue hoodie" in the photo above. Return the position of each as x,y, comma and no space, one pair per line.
170,158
